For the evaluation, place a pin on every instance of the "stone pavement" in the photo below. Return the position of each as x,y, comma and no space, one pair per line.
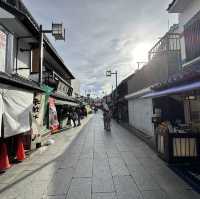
97,165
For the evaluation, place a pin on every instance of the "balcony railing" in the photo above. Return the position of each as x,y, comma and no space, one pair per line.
170,42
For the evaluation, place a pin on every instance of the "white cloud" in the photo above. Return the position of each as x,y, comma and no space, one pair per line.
103,34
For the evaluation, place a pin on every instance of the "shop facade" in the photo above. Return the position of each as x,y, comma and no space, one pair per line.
176,120
27,105
141,111
17,89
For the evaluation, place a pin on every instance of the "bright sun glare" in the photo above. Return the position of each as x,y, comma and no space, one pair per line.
140,52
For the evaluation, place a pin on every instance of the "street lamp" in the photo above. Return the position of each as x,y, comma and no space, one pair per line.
58,32
109,73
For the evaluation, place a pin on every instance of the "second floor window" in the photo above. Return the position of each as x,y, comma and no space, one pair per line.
192,38
6,50
3,47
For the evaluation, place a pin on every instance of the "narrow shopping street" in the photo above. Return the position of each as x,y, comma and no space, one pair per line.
97,165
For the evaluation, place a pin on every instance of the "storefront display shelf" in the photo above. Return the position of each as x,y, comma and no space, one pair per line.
179,147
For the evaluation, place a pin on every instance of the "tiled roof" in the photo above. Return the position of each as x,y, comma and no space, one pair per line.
19,81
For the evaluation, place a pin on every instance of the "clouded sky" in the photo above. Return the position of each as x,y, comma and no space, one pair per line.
104,34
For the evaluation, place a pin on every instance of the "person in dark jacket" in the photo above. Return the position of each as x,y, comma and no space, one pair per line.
69,116
74,117
78,111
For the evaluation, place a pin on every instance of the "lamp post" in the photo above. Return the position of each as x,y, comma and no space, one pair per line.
58,32
109,73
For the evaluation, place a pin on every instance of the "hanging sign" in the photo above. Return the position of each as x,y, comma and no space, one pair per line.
53,117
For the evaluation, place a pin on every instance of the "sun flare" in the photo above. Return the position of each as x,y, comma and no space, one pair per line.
140,52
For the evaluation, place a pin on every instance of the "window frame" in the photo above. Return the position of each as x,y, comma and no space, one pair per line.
192,37
6,32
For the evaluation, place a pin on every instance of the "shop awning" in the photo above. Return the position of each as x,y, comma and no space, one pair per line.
173,90
15,107
62,102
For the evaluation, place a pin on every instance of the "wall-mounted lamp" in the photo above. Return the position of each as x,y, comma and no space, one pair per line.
58,31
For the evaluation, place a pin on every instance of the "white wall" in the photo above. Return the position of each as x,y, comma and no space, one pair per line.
75,83
192,9
23,59
140,115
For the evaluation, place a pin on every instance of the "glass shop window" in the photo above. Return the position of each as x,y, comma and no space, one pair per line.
3,47
6,50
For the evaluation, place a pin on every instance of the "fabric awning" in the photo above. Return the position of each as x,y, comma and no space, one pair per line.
62,102
15,107
173,90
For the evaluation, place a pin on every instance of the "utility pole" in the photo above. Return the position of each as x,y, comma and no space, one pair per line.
41,55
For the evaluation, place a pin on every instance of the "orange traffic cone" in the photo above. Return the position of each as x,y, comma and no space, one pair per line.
20,150
4,161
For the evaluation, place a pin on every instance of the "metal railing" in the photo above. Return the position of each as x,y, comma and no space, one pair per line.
170,42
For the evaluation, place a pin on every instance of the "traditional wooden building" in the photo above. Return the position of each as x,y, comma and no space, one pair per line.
25,101
164,61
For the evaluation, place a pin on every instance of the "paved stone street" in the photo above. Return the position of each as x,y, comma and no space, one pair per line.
97,165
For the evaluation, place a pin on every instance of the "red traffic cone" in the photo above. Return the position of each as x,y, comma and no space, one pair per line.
20,150
4,161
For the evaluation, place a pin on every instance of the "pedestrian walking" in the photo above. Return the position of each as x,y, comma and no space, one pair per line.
78,111
106,117
69,116
74,117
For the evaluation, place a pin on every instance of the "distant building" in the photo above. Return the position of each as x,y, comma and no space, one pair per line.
75,83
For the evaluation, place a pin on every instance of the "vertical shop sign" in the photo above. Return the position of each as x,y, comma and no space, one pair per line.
38,108
53,118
